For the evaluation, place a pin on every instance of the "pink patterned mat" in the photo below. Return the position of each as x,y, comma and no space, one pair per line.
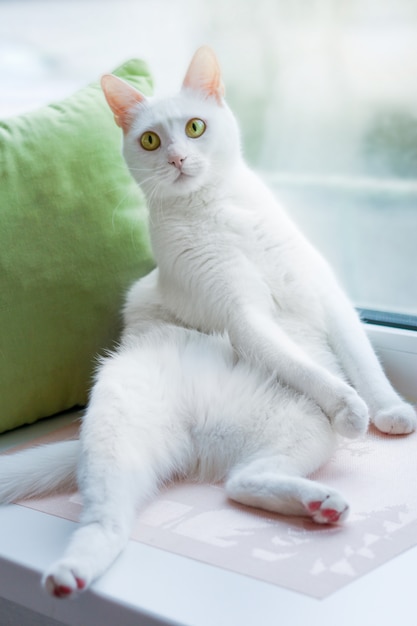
377,475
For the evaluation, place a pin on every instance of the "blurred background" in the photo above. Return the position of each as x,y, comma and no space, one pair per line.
325,92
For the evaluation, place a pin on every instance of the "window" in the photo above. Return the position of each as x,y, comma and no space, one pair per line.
327,95
325,91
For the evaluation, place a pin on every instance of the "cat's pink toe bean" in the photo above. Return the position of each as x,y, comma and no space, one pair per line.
331,515
314,506
81,584
62,591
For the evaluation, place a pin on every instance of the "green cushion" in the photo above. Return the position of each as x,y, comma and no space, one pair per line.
73,237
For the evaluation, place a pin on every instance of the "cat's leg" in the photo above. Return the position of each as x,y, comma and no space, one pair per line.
109,502
389,412
257,336
92,549
123,458
296,442
273,484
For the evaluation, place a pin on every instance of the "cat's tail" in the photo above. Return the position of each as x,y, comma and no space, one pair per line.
38,471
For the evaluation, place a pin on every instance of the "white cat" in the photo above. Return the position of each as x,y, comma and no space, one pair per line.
238,352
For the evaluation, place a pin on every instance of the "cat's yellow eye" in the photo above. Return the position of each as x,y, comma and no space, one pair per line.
150,140
195,128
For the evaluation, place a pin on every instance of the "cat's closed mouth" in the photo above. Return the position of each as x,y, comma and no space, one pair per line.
182,176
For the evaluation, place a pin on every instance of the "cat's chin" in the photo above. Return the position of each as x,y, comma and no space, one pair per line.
183,177
185,184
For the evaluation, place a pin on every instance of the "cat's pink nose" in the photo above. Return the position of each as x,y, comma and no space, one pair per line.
177,160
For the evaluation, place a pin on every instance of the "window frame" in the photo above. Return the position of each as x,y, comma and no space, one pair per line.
397,349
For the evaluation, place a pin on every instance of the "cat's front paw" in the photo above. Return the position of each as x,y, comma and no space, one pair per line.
63,580
400,419
351,417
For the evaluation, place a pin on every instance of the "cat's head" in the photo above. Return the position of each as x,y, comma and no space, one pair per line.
182,144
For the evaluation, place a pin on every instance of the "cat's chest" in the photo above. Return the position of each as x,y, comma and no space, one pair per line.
211,260
256,241
219,252
218,227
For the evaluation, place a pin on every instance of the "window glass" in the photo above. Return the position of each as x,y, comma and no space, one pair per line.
327,95
325,92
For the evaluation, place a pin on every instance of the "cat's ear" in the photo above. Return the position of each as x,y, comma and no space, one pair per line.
204,74
121,98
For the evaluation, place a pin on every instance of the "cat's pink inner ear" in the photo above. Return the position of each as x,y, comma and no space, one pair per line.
121,98
204,74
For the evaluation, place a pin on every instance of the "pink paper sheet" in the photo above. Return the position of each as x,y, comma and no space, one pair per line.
377,475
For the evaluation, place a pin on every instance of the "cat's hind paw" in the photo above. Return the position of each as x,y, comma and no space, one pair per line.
329,510
400,419
63,581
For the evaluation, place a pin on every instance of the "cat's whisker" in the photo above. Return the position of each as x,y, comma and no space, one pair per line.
117,208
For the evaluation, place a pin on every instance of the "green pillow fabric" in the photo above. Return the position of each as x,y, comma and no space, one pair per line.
73,237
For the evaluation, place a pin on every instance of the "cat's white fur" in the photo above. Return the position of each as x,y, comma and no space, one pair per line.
241,357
